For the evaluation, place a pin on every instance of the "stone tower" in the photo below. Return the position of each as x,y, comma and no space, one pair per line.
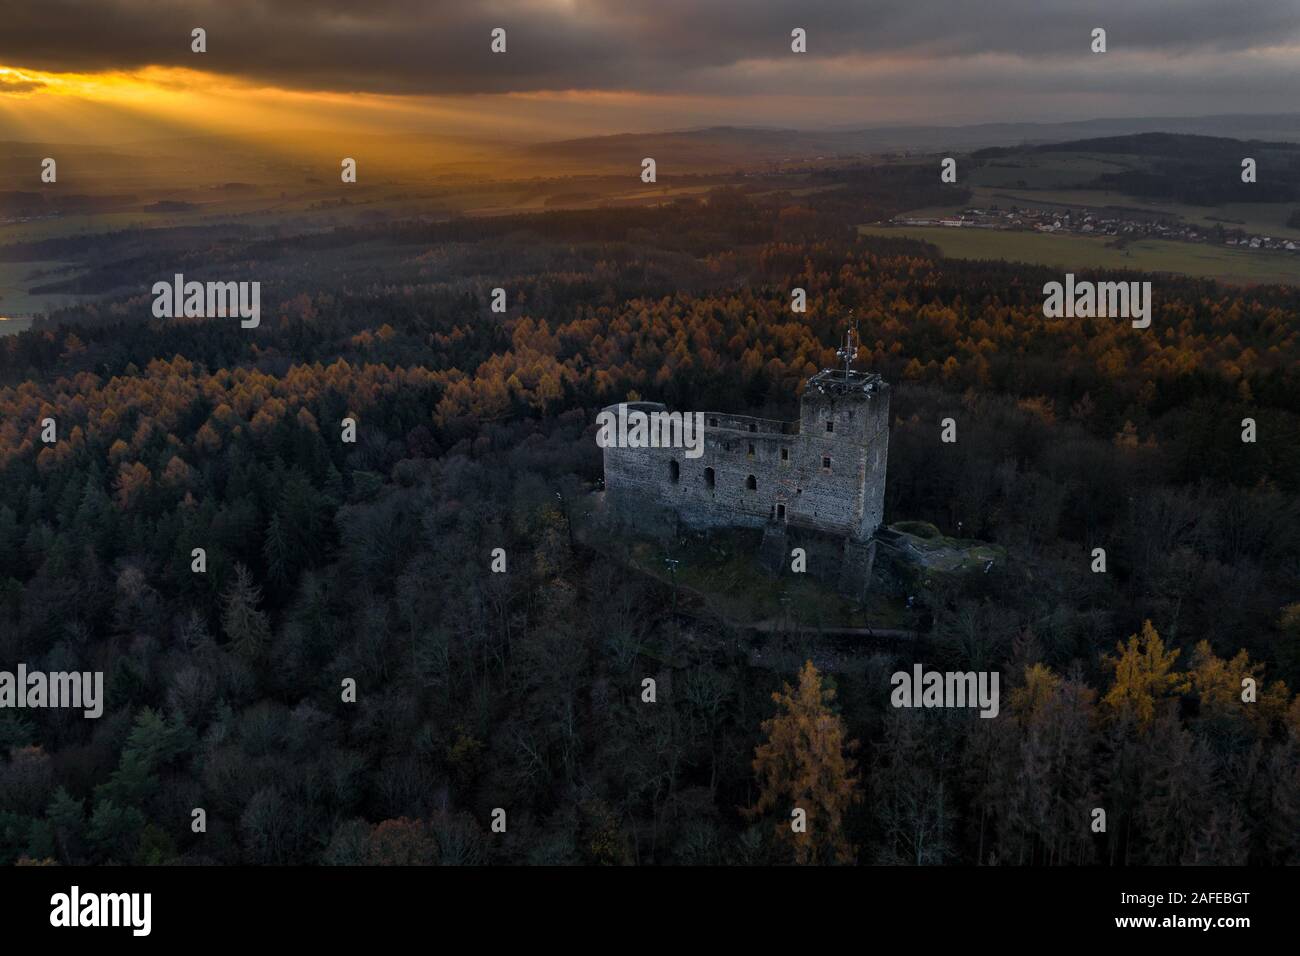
823,474
844,427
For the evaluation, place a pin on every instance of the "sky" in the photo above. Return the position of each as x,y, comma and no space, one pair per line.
122,70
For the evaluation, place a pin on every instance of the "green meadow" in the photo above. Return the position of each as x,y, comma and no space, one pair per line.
1227,264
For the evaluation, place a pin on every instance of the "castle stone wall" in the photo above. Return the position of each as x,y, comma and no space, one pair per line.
757,470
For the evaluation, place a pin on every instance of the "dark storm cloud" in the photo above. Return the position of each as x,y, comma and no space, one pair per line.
439,47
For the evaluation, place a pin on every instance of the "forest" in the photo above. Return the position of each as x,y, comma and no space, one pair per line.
1199,170
329,561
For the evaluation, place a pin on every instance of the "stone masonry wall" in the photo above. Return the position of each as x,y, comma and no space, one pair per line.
755,470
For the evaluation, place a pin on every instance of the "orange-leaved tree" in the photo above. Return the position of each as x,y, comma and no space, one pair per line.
1144,674
804,765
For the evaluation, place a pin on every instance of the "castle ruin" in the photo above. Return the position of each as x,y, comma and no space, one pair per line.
820,480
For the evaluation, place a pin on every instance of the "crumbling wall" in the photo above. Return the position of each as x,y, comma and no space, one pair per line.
825,473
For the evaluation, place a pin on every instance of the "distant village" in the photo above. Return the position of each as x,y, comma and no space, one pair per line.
20,220
1084,222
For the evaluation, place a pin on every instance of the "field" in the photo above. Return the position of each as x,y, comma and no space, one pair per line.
1052,180
15,280
1267,218
1240,267
1048,171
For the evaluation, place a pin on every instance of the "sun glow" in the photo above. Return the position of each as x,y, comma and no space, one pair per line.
116,107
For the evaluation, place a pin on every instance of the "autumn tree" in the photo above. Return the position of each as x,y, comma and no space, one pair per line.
402,842
1144,675
133,483
804,764
1221,688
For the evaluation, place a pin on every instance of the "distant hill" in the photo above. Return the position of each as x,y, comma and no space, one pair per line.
1178,145
1188,168
239,166
729,147
171,205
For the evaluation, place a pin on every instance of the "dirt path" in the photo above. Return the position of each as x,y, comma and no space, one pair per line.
770,626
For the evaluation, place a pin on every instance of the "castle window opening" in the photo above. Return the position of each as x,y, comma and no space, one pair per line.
844,502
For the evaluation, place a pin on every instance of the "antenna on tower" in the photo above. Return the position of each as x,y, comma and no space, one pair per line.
849,351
